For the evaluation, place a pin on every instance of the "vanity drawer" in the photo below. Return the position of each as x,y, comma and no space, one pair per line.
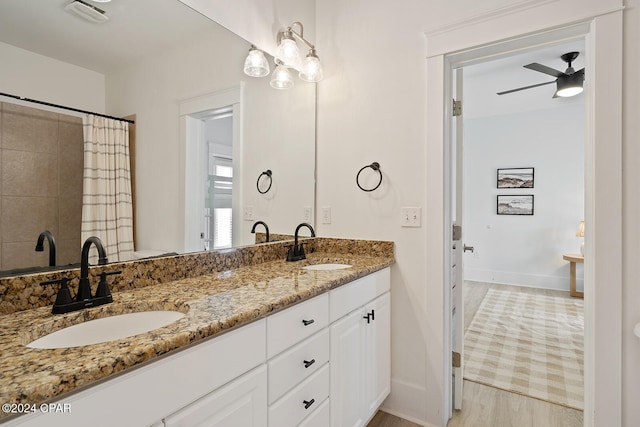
297,363
302,401
294,324
321,417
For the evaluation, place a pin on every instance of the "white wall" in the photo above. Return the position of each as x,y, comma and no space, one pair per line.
35,76
260,20
372,108
524,250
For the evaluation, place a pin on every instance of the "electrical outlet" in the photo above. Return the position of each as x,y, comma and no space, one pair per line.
308,214
247,213
411,217
325,214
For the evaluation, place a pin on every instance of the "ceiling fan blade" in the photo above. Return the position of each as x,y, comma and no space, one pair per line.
543,69
525,87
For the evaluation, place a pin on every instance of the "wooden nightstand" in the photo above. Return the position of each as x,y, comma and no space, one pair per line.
573,260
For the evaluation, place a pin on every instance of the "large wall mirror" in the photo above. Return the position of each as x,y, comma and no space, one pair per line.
205,133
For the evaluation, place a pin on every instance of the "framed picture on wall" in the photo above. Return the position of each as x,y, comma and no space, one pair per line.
515,204
515,178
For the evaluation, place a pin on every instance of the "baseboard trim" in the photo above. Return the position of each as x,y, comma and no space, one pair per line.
406,417
407,401
558,283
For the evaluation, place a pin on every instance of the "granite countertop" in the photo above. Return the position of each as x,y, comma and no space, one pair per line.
212,304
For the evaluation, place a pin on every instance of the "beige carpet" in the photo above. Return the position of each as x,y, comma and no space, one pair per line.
528,344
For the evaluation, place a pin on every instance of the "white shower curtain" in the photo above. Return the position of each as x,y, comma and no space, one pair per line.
107,209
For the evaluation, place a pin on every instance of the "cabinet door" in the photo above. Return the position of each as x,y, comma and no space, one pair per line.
241,403
347,371
377,354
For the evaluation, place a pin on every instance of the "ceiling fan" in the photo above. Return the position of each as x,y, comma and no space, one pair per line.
569,82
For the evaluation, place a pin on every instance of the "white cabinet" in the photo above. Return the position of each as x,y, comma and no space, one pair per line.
377,354
298,352
347,353
242,403
360,352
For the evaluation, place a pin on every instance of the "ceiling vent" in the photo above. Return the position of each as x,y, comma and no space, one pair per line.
87,12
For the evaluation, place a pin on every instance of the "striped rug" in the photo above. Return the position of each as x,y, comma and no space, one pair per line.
528,344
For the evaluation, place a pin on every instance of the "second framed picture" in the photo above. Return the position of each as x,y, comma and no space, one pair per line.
515,178
515,205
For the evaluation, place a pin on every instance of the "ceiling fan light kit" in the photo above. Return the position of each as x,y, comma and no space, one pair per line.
568,83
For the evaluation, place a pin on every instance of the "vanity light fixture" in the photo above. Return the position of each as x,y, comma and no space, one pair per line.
288,53
256,64
281,78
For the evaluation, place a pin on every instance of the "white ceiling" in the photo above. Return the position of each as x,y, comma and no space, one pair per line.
482,82
135,28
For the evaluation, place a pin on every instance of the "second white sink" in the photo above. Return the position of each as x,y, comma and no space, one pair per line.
326,266
106,329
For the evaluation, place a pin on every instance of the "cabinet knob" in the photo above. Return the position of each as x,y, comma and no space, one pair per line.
308,403
308,363
307,322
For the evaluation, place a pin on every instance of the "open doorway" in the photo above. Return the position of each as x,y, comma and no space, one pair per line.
521,183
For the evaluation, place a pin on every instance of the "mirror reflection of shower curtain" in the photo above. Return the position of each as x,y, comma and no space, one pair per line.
218,207
107,209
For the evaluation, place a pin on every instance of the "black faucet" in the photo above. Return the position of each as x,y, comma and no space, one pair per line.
296,252
266,228
52,246
84,289
64,303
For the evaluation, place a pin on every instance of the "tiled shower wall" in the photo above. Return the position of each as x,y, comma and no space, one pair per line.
41,185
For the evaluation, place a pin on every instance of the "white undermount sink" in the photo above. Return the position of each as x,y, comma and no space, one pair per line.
326,267
106,329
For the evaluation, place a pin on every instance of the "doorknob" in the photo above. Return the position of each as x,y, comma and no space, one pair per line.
467,248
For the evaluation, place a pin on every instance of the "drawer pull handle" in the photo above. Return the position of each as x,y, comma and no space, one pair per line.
373,315
308,363
368,317
307,322
308,403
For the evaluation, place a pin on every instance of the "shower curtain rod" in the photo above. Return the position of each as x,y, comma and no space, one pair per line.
35,101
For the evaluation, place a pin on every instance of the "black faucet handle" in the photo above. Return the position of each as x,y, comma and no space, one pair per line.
64,295
103,286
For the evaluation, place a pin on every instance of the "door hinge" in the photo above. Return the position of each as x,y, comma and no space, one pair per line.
457,108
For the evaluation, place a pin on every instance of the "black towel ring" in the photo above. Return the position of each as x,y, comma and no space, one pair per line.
268,173
376,167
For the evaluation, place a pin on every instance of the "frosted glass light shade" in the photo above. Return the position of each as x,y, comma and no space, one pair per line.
311,68
256,64
288,52
281,78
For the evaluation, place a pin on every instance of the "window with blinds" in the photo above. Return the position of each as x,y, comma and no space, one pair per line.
220,189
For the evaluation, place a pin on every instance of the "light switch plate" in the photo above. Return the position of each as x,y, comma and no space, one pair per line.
307,214
325,215
247,213
411,217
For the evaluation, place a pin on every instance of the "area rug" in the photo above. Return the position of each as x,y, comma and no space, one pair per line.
528,344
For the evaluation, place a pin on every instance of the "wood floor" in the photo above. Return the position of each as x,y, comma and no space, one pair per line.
484,406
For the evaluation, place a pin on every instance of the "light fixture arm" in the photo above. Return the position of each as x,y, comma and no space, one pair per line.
290,32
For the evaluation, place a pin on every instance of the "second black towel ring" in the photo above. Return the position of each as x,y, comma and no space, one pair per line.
376,167
268,174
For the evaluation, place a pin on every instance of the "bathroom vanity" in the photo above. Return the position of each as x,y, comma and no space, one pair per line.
270,344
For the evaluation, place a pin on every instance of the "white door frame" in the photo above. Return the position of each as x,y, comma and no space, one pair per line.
603,200
190,163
